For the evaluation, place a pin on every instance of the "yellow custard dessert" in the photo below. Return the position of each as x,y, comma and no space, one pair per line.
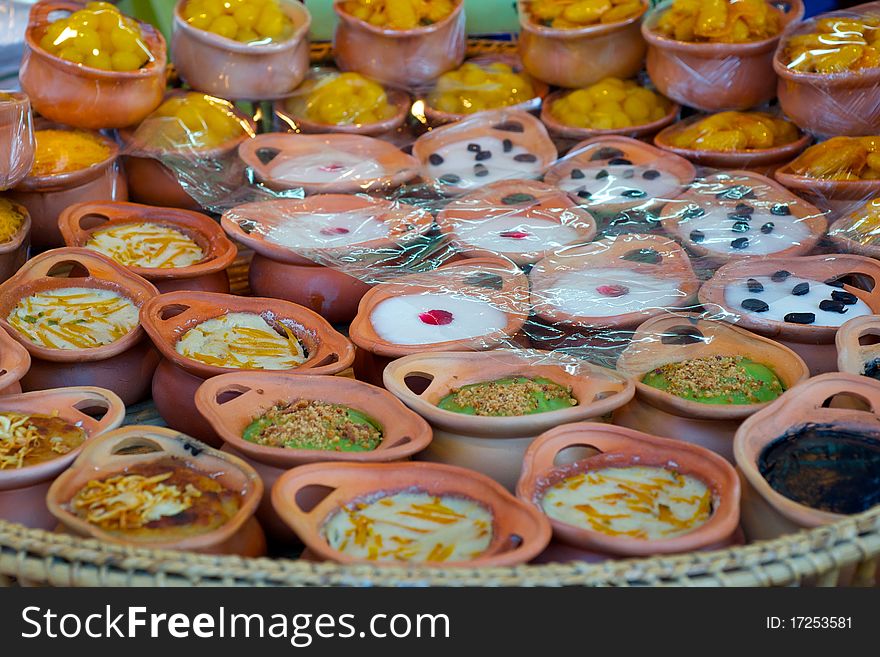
572,14
610,104
147,245
400,14
347,99
719,21
836,45
735,131
841,158
11,220
192,120
476,87
248,21
30,438
64,151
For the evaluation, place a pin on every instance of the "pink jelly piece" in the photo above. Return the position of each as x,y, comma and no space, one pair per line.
612,290
515,234
333,168
335,230
436,317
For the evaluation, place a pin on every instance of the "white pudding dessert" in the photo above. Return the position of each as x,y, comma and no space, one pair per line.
475,162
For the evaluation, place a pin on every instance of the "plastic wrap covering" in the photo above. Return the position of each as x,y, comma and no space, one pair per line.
16,137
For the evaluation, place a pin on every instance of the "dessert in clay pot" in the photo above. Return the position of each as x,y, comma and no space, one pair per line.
15,232
303,247
857,346
475,304
800,302
697,379
41,433
17,138
739,214
858,231
203,334
76,312
644,495
486,408
522,220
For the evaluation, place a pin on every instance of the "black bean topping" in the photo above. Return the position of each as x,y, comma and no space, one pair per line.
483,156
450,179
525,157
651,174
577,174
736,216
800,318
844,297
740,227
584,194
768,228
629,173
800,289
602,174
518,199
754,286
780,276
693,211
740,243
509,126
607,153
780,210
744,208
833,282
622,161
697,236
474,148
480,170
831,306
435,159
755,305
633,193
507,145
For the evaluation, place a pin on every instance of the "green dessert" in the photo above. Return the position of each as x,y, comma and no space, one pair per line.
509,396
717,380
308,424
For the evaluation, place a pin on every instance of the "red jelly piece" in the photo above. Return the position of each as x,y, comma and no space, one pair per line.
333,168
612,290
335,230
515,234
436,317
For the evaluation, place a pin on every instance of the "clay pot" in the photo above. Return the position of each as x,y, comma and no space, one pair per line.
677,338
813,343
115,452
838,196
86,97
79,222
495,445
519,532
15,361
857,345
715,76
169,316
523,200
292,111
13,253
124,366
46,197
229,69
269,153
16,139
620,447
856,232
399,58
763,194
230,402
23,490
581,56
316,277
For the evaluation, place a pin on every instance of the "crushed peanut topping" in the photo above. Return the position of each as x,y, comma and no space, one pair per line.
717,380
28,439
509,396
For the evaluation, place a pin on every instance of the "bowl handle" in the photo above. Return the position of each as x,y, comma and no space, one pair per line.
41,11
70,219
306,494
98,266
812,395
334,348
91,397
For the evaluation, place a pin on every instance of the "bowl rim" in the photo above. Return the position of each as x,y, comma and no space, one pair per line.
527,24
351,20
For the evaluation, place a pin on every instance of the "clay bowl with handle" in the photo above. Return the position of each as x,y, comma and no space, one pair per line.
837,196
857,346
131,446
124,365
14,252
23,490
15,361
495,445
857,231
16,138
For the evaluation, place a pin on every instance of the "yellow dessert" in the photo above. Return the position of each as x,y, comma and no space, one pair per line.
31,438
476,87
572,14
347,99
63,151
98,36
610,104
400,14
841,158
735,131
11,220
247,21
146,245
863,225
193,120
837,44
719,21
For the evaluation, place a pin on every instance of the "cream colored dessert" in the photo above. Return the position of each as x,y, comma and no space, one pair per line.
640,502
74,317
412,526
243,341
148,245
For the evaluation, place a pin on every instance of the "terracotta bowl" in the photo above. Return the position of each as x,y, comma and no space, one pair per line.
239,71
855,233
267,152
765,512
579,57
15,361
16,139
230,402
528,201
399,58
857,345
115,452
23,490
676,338
86,97
316,277
815,344
724,193
13,253
714,76
837,196
124,366
620,447
177,378
495,445
305,498
79,222
291,111
568,174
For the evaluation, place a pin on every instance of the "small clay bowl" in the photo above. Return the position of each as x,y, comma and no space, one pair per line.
124,366
536,205
167,317
581,56
16,139
546,464
765,512
522,129
854,274
315,277
575,170
115,452
857,346
233,70
400,58
724,193
23,490
15,361
86,97
855,232
307,496
46,197
268,153
79,222
838,196
13,252
715,76
495,445
230,402
685,336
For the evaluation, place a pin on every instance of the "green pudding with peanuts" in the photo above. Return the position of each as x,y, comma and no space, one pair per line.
717,380
509,396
